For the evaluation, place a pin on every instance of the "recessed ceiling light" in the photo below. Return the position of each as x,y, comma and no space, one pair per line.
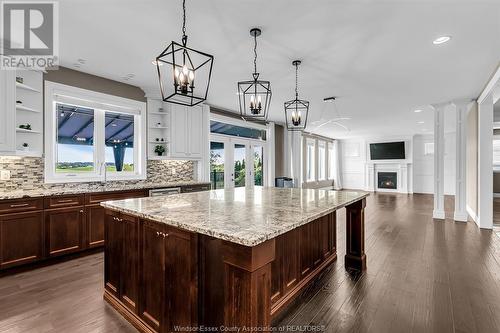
418,111
420,122
441,40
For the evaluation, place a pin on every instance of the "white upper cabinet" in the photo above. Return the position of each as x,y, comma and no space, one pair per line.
187,132
7,111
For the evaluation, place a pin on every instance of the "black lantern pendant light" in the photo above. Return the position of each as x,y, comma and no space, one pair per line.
180,67
296,110
254,95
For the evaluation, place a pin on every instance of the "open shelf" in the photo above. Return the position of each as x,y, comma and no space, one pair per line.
22,130
24,108
26,87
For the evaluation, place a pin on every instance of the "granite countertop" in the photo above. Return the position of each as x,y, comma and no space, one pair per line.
85,188
243,216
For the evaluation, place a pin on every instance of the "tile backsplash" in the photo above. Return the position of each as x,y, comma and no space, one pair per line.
27,173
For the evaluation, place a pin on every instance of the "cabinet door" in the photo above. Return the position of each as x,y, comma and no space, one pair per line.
179,131
276,270
64,230
7,111
195,131
181,284
129,265
152,275
306,250
291,271
95,226
21,237
112,259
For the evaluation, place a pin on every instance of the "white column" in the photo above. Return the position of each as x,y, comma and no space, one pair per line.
438,212
485,161
271,153
461,107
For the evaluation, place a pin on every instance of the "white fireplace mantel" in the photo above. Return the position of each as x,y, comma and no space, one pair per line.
404,171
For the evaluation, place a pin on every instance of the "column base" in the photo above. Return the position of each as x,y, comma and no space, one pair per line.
438,214
355,262
460,217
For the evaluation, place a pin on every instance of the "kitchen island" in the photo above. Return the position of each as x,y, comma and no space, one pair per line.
223,258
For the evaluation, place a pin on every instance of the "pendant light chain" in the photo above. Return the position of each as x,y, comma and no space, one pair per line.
184,37
255,53
296,81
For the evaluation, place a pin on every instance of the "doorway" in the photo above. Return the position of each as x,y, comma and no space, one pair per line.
236,162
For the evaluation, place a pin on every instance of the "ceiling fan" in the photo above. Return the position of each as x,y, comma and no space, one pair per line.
335,121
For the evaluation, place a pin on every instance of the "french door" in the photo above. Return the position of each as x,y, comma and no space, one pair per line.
236,162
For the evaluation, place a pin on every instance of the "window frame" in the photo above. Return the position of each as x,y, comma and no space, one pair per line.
330,160
322,144
310,168
100,103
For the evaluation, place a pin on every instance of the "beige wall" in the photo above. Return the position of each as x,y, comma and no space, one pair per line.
279,151
472,141
82,80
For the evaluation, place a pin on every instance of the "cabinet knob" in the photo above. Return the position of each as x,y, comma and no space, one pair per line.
157,233
81,210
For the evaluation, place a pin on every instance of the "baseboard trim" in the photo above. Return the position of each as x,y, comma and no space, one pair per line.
438,214
131,317
460,216
472,214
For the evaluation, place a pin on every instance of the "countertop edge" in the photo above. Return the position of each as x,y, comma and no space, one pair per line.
233,239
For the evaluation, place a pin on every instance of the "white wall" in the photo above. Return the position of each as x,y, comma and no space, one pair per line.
353,160
355,156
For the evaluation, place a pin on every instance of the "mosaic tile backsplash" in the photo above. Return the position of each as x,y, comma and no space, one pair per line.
27,174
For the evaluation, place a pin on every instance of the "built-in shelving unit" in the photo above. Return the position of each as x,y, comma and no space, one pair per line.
28,106
155,116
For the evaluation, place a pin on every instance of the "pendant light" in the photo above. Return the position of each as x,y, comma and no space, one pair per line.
184,73
297,110
254,95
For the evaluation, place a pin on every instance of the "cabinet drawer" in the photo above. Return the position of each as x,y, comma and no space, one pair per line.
20,205
95,198
64,201
195,188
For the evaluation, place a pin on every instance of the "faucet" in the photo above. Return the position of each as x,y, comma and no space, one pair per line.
103,165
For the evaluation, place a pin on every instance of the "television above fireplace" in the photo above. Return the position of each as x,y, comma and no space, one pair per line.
387,151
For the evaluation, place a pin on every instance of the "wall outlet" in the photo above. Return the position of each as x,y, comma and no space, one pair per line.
4,174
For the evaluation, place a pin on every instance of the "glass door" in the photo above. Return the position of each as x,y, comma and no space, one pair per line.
217,161
240,162
258,165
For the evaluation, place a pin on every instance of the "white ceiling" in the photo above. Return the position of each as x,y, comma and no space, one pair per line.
376,56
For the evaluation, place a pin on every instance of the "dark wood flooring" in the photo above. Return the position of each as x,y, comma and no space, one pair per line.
423,276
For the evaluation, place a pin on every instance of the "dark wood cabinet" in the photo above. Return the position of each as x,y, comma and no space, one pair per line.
112,259
21,238
152,274
306,250
64,230
291,271
129,286
95,226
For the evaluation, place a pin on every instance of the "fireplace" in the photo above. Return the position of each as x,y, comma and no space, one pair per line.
387,180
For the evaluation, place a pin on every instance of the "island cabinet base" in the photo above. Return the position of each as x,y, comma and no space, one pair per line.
163,279
254,284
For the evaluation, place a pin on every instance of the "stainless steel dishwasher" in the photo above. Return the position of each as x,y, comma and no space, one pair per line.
164,191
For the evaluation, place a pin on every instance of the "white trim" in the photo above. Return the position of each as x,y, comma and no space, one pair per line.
138,109
472,214
490,86
438,214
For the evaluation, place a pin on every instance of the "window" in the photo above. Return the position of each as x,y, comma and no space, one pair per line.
331,161
91,136
321,160
496,152
310,160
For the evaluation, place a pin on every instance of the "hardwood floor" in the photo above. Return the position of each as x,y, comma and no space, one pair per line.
422,276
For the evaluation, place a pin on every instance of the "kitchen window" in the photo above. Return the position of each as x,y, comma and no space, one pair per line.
321,160
310,160
331,161
91,136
